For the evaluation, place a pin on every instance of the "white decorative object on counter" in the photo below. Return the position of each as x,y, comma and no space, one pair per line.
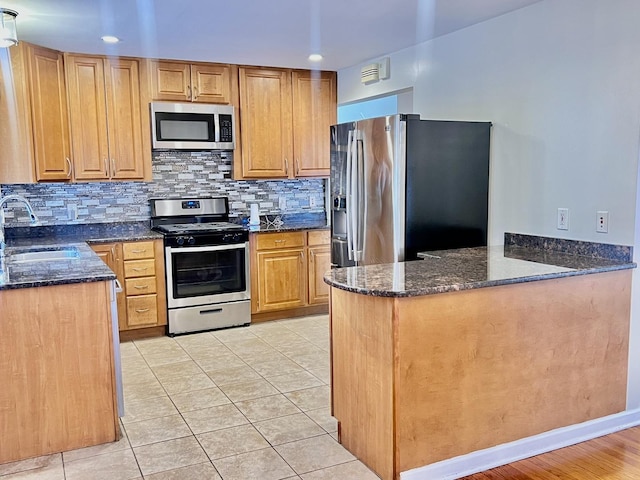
255,215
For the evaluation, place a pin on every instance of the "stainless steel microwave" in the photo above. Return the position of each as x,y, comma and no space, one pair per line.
192,126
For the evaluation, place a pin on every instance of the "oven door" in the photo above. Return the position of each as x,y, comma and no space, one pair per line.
207,275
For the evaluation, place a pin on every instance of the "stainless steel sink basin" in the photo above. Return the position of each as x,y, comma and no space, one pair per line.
44,255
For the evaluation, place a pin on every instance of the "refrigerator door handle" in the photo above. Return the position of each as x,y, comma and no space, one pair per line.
349,204
354,213
361,206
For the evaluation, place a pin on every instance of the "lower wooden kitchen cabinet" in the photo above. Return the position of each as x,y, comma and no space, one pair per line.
286,274
139,267
57,370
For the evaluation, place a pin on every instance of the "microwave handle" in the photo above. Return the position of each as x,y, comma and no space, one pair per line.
216,126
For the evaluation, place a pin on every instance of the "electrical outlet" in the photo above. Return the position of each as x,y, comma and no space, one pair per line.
282,203
563,219
72,211
602,222
312,201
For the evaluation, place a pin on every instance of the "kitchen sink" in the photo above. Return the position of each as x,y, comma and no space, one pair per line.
68,253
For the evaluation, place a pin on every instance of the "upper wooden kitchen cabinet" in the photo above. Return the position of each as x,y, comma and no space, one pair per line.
265,117
285,117
108,128
50,119
34,125
16,154
314,111
192,82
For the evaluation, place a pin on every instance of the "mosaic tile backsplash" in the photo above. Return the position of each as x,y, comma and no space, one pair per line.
175,174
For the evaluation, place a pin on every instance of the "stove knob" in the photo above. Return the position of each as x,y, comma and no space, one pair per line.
191,241
227,237
237,236
180,240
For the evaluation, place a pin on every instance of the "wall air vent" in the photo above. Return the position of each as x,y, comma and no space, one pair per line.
370,73
375,71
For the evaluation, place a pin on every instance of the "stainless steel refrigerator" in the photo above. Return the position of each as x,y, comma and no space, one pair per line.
400,185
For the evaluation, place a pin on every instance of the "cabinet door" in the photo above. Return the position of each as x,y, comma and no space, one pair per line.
171,81
211,83
111,254
16,154
126,151
282,279
49,114
319,263
88,113
265,109
314,111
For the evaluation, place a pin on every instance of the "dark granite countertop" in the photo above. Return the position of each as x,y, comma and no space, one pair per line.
288,227
89,232
467,268
290,223
84,266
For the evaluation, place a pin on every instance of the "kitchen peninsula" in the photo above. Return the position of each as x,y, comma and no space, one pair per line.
473,348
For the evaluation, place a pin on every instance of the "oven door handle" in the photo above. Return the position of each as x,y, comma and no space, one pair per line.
210,248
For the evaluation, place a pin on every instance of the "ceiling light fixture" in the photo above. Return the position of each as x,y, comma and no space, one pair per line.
110,39
8,32
315,57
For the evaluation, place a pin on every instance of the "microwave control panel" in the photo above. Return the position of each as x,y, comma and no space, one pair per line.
226,128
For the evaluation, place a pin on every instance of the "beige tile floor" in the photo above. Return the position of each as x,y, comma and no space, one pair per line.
238,404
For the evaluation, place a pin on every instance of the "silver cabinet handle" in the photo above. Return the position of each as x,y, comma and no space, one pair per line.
139,251
106,167
195,93
70,167
297,166
286,167
142,310
113,167
141,287
188,92
140,269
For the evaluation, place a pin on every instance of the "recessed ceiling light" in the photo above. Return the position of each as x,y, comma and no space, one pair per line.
315,57
110,39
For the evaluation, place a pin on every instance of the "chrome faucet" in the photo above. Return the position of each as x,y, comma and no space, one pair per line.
32,216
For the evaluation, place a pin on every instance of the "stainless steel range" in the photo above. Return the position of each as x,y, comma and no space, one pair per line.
206,264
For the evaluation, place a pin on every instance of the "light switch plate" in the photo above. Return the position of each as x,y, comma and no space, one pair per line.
563,219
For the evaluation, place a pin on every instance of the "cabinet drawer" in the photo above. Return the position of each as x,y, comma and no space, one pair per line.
140,286
142,311
318,237
139,268
135,250
270,241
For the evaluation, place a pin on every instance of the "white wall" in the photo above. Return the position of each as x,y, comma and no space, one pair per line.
560,82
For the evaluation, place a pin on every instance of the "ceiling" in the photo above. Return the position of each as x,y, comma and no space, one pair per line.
253,32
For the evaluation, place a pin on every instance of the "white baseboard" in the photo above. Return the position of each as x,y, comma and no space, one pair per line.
482,460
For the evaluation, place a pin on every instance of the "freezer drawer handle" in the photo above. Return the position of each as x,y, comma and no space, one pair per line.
212,310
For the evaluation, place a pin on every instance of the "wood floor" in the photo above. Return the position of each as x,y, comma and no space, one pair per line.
616,456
